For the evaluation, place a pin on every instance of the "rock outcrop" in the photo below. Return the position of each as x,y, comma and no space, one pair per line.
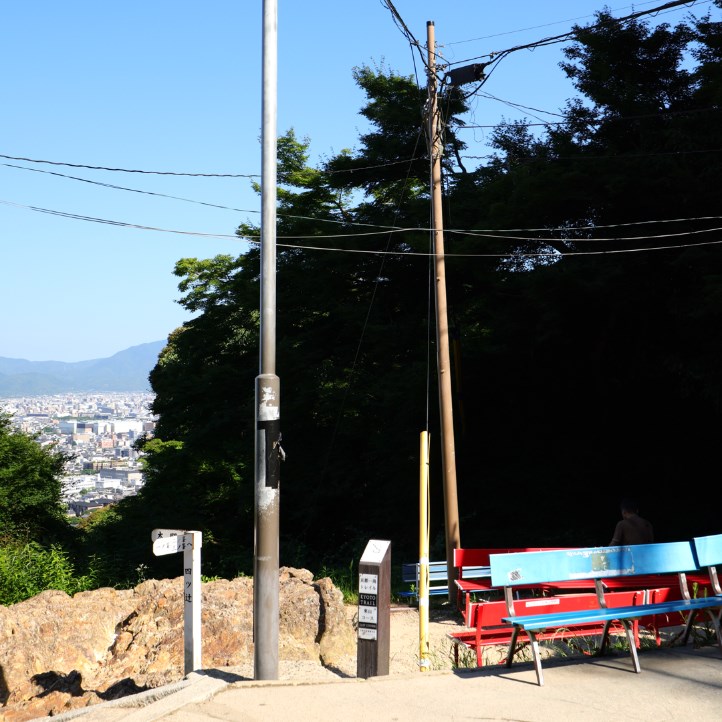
58,652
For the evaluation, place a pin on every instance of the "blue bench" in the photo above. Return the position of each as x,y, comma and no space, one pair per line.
438,578
596,563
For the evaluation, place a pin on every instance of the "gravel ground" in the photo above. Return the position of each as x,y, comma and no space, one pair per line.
403,654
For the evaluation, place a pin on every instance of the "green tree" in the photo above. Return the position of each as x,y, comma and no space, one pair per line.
586,372
601,360
31,506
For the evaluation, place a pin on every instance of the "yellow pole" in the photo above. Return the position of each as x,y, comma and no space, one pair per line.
424,553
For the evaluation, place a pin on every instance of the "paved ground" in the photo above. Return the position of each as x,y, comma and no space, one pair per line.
676,683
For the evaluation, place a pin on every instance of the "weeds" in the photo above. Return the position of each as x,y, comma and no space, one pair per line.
346,580
28,569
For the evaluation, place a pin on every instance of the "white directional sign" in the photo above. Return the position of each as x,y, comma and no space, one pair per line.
172,544
170,541
160,533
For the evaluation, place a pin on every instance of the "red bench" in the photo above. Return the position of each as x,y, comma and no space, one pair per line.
475,558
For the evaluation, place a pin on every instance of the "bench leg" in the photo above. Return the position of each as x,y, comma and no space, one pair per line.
534,650
512,646
631,640
714,618
537,658
632,646
688,626
716,622
605,639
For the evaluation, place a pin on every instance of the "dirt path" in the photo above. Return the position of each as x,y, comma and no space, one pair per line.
405,648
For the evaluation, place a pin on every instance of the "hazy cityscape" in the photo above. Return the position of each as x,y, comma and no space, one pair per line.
98,431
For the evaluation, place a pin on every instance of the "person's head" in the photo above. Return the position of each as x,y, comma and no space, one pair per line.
629,506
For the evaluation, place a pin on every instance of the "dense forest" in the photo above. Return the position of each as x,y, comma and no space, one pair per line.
584,283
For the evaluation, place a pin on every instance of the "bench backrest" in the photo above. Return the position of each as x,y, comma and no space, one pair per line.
708,550
474,557
508,570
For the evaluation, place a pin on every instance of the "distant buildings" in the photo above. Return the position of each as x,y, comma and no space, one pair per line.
98,430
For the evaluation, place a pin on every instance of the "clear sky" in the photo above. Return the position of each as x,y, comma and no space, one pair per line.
175,88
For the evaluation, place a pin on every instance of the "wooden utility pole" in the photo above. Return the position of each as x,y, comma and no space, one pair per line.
448,453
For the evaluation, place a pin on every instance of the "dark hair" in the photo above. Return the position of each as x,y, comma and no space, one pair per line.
629,504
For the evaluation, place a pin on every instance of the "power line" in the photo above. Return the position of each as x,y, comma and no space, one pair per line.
493,235
572,33
123,188
128,170
190,200
514,253
537,27
192,175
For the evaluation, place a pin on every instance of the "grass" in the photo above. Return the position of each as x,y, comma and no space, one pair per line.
28,569
345,579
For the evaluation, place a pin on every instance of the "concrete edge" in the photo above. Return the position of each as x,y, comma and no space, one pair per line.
141,699
201,689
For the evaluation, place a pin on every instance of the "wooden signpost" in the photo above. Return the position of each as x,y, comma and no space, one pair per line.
170,541
374,609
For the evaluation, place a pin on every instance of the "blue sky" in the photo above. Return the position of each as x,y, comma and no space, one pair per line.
175,87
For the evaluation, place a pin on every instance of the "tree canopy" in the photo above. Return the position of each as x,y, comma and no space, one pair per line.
30,488
584,284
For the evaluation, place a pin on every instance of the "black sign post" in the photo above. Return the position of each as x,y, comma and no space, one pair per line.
374,610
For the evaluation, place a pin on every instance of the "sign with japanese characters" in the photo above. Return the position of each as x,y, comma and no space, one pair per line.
161,533
172,544
373,609
170,541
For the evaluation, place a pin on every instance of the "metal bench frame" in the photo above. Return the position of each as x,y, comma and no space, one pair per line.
513,570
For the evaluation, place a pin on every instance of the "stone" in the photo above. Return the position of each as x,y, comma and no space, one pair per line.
59,653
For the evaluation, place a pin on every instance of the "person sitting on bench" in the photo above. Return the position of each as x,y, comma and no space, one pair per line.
633,529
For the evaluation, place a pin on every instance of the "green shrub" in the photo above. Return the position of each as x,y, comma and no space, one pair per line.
345,579
28,569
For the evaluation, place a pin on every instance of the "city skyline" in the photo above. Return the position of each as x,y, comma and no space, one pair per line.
97,431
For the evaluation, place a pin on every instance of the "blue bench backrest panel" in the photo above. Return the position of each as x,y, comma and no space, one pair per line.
709,550
592,563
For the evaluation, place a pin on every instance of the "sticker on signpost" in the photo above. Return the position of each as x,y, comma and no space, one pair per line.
368,615
368,583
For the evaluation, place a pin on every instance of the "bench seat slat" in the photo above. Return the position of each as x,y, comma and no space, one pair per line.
585,616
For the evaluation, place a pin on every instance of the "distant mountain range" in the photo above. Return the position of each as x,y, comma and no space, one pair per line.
124,371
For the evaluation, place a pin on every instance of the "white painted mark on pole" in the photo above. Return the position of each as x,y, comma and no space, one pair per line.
268,409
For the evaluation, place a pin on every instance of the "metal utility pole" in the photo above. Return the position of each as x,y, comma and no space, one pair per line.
268,436
448,453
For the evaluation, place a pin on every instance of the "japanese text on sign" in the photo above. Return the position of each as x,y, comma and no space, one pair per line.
368,583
